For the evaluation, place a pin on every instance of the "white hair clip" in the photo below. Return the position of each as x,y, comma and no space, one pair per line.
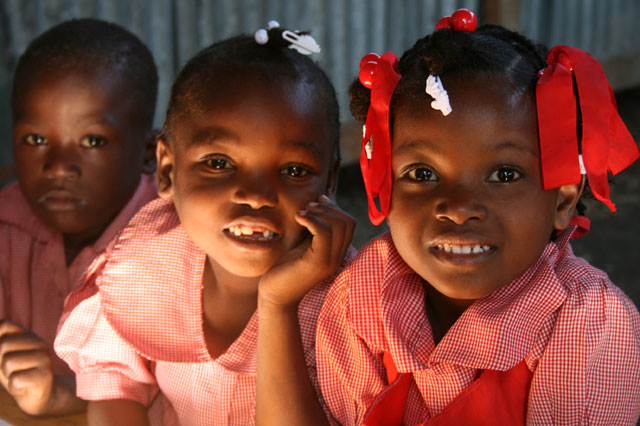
439,94
303,43
583,169
368,147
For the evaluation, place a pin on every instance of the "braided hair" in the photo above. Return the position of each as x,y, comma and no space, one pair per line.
271,62
490,51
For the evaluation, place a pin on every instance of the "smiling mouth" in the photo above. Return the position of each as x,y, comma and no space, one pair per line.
463,248
251,232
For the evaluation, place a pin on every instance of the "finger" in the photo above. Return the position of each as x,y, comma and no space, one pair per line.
25,360
29,379
7,328
321,235
342,226
21,342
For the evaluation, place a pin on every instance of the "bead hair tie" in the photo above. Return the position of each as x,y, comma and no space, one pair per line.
303,43
460,20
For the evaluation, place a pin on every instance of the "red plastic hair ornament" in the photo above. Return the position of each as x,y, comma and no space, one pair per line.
381,76
607,145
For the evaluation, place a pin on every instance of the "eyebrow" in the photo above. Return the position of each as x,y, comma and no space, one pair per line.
519,147
210,135
417,144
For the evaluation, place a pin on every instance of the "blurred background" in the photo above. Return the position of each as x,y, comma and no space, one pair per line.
174,30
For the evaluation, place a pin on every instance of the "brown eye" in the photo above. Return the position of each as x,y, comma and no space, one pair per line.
505,175
218,163
35,139
421,174
92,142
295,171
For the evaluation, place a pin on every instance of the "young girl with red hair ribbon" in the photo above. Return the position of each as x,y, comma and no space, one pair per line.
474,309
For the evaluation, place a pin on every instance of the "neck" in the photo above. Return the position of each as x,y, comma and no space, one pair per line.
228,303
443,311
74,243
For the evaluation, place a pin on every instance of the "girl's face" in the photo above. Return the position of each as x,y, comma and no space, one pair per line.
468,212
241,164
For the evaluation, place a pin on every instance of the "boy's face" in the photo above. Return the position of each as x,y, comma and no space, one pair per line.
78,147
468,212
241,164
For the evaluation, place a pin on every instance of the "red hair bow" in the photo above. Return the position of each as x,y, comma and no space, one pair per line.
380,75
607,145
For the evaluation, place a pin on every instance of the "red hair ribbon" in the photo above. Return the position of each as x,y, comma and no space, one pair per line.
381,76
607,145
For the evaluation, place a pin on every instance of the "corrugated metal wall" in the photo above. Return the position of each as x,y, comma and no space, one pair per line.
607,29
346,29
176,29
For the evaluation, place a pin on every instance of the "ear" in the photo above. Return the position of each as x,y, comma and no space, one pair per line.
568,197
149,160
165,174
332,180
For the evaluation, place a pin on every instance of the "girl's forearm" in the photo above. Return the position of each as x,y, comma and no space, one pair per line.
120,412
284,393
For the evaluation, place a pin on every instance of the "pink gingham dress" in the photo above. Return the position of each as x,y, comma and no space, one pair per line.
134,331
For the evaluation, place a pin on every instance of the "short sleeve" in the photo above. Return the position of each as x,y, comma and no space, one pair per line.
589,373
106,366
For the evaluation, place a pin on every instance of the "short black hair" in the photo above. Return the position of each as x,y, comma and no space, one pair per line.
242,54
92,43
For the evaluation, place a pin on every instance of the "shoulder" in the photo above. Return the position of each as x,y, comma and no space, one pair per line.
17,214
149,285
589,350
590,292
596,321
371,290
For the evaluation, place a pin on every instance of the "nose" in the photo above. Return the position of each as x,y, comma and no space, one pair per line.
461,204
255,191
61,163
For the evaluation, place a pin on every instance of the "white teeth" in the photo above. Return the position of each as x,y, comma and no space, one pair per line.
463,249
242,230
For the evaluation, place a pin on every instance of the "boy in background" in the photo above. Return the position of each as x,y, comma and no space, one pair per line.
83,100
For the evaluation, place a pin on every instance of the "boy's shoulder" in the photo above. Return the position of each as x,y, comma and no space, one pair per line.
16,213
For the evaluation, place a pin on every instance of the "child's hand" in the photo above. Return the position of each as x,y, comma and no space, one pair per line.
313,260
25,368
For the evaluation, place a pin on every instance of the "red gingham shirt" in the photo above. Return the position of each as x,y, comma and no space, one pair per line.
134,331
34,277
577,332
